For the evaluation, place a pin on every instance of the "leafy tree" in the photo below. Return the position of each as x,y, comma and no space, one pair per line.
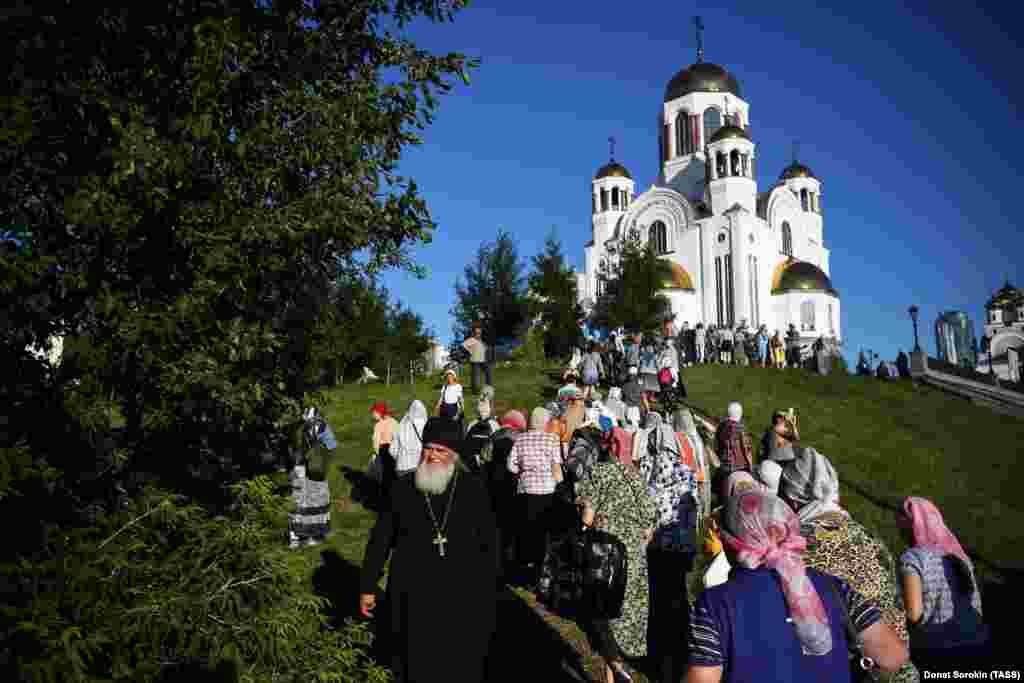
494,293
553,284
190,178
633,280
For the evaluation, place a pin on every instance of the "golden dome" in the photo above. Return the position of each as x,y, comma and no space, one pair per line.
701,77
797,170
800,276
612,169
680,278
1007,296
729,131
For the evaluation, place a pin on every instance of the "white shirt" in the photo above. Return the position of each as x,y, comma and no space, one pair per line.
451,393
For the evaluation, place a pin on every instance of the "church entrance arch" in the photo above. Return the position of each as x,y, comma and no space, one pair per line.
1004,341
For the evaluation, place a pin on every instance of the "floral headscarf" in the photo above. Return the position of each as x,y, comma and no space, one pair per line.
930,531
764,531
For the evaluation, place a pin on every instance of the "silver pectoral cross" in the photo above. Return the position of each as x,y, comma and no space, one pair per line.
440,541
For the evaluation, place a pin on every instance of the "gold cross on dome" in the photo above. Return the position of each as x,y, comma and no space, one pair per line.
699,25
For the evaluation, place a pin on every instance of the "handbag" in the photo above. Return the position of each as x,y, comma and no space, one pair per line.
665,377
604,574
862,667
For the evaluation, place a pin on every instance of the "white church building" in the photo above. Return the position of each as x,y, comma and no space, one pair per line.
737,254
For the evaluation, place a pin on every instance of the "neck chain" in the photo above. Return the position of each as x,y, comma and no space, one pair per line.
440,539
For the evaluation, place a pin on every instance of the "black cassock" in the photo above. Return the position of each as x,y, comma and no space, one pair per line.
441,609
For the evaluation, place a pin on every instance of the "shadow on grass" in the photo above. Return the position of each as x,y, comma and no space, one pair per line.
999,601
521,630
523,648
337,579
365,490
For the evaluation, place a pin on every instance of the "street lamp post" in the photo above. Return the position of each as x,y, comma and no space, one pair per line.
913,317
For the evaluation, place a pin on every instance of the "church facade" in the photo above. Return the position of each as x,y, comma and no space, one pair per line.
1004,330
737,254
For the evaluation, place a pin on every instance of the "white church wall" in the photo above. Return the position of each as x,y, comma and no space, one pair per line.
684,306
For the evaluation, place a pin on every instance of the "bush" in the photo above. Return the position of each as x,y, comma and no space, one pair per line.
531,353
161,589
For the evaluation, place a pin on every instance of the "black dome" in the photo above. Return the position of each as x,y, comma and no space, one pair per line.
701,77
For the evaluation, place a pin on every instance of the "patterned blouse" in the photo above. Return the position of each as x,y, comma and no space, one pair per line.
842,547
672,485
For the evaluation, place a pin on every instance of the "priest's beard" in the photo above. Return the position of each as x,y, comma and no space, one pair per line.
434,479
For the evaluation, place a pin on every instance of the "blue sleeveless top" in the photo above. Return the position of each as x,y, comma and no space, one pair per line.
742,626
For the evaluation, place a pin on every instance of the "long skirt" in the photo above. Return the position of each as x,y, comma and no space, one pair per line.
312,516
535,526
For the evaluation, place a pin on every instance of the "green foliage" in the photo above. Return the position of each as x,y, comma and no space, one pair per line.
386,332
189,182
633,280
553,286
494,290
161,586
839,365
532,352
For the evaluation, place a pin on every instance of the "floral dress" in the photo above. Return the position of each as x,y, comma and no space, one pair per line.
672,486
623,508
839,546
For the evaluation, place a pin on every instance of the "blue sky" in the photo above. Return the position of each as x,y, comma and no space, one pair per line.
909,116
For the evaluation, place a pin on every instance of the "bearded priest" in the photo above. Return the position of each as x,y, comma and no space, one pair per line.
439,529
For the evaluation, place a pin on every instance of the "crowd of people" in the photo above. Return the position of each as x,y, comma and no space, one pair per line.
809,594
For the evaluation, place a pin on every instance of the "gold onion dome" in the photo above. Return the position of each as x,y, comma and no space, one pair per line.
679,279
797,170
729,131
612,169
1007,296
800,276
701,77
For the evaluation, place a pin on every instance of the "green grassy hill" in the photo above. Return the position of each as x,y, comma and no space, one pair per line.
886,439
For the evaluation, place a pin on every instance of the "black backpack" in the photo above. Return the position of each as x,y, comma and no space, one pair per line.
477,437
585,451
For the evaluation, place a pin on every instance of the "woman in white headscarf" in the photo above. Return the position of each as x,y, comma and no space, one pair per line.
770,474
615,404
408,445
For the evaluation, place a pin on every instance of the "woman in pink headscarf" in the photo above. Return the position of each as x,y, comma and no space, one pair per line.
775,619
940,591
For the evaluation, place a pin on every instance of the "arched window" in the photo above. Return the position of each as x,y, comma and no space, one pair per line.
712,121
604,199
684,136
807,316
658,236
593,203
787,239
721,165
804,202
615,197
734,159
